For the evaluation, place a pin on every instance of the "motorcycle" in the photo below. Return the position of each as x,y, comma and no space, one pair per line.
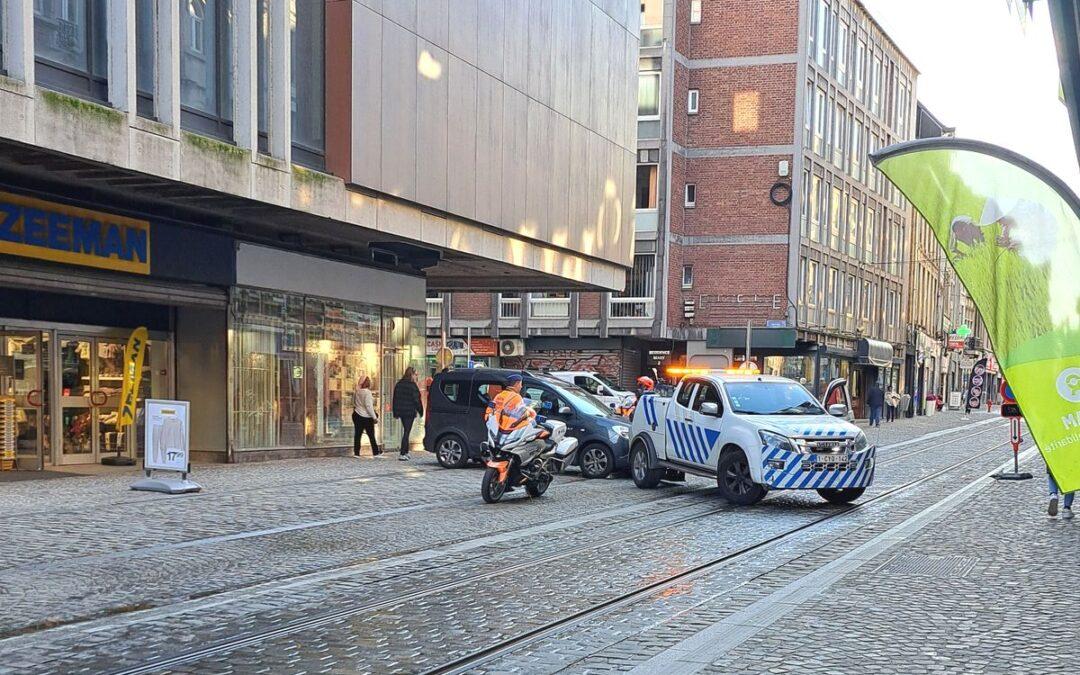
529,456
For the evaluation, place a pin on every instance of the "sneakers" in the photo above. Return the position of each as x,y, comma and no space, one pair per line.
1066,513
377,455
403,458
1052,509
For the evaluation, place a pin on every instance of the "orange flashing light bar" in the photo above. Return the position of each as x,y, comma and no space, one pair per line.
686,372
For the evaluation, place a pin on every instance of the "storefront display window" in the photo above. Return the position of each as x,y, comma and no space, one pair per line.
296,361
798,368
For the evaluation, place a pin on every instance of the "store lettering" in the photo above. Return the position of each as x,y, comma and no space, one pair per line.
32,228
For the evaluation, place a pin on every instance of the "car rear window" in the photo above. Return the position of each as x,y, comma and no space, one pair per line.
453,391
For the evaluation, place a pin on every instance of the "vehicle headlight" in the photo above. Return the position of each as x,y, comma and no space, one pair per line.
860,442
775,440
622,431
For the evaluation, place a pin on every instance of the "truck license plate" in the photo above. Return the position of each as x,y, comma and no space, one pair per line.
832,459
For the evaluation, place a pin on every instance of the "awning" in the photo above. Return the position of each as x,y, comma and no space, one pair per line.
874,352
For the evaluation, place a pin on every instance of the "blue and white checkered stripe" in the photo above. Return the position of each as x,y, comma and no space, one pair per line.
689,441
792,476
822,431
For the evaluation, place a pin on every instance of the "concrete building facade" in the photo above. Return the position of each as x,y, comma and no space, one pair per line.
272,187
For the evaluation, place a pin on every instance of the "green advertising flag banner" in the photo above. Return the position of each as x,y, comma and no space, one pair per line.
1011,231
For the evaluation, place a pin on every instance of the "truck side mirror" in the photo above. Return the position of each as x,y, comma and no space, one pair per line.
838,410
710,409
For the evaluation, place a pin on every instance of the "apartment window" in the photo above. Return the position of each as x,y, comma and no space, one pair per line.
206,95
869,232
903,103
145,57
817,207
876,76
690,198
262,72
805,205
808,113
835,211
821,32
692,97
818,145
849,295
832,297
856,150
70,47
839,135
867,299
812,283
860,71
308,87
842,53
641,283
687,276
695,12
646,186
652,22
853,227
648,101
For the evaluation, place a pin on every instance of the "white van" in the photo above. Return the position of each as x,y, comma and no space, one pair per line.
599,386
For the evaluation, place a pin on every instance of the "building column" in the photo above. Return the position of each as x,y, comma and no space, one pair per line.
167,65
605,309
120,17
19,40
279,99
523,320
447,308
245,76
575,303
496,304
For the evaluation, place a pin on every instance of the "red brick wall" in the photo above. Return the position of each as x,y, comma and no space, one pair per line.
753,105
589,305
732,197
752,270
470,306
738,28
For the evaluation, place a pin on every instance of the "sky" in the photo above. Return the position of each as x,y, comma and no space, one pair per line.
987,73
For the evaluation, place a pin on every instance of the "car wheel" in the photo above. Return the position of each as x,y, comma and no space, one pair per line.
597,461
451,452
644,477
841,496
734,479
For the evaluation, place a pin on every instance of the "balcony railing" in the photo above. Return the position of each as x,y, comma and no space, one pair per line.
509,308
631,308
646,220
549,308
434,310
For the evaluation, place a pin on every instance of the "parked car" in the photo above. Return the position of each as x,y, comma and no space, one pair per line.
602,388
454,428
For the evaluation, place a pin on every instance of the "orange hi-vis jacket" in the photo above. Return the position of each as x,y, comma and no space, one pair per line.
510,411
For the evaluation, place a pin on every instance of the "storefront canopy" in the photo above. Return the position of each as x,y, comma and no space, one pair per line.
875,353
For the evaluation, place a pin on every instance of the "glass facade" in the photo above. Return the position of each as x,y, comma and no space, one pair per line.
295,361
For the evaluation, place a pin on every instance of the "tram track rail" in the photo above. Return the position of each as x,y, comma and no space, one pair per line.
478,657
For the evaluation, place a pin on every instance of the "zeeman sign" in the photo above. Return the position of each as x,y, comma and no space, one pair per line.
33,228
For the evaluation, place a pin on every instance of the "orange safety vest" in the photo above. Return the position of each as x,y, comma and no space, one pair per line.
510,411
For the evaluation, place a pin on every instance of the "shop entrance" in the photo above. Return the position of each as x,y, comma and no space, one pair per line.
76,371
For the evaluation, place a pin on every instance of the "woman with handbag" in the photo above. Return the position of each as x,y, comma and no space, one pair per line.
364,416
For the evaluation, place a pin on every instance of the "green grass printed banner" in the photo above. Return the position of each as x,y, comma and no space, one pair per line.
1010,230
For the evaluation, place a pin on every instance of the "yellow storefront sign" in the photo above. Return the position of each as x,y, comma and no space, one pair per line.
33,228
133,363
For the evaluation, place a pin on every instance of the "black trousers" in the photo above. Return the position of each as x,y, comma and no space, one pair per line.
890,413
406,431
360,425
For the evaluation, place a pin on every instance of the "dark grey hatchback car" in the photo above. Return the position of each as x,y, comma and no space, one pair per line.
455,428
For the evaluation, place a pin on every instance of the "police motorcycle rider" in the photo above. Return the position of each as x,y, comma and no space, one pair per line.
521,446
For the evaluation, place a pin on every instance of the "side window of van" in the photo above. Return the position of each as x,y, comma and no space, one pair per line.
453,391
587,383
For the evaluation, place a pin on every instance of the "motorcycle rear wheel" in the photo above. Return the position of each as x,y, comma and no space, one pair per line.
535,488
492,489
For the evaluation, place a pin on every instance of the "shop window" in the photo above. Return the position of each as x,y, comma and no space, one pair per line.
206,96
70,47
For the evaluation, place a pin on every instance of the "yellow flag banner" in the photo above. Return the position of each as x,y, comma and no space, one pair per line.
1011,230
133,363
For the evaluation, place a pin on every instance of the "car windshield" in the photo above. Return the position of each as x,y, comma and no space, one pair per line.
772,398
582,401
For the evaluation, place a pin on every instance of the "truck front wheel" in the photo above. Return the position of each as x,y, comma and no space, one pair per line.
734,480
644,477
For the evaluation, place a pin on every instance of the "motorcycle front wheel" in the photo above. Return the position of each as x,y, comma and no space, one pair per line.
535,488
492,489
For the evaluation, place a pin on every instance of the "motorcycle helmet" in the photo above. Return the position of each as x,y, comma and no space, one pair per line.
645,383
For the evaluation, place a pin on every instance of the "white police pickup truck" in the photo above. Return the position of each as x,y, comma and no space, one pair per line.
753,433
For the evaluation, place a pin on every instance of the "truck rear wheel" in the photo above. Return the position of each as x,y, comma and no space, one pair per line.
734,479
841,496
644,477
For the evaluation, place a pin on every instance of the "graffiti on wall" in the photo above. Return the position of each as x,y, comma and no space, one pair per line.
607,363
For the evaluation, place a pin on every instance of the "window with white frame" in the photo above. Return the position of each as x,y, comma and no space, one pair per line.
649,88
692,97
652,22
832,293
812,283
695,12
687,276
690,196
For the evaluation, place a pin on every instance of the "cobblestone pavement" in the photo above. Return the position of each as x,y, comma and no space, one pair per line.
372,566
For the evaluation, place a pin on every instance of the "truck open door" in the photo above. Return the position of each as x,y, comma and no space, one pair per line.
838,394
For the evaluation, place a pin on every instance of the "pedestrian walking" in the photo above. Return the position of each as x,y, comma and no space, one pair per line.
364,417
406,405
892,402
1067,502
875,399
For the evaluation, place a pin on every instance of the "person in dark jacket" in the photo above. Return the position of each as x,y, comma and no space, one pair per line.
875,399
406,405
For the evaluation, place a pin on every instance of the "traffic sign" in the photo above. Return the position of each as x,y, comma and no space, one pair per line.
1006,393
